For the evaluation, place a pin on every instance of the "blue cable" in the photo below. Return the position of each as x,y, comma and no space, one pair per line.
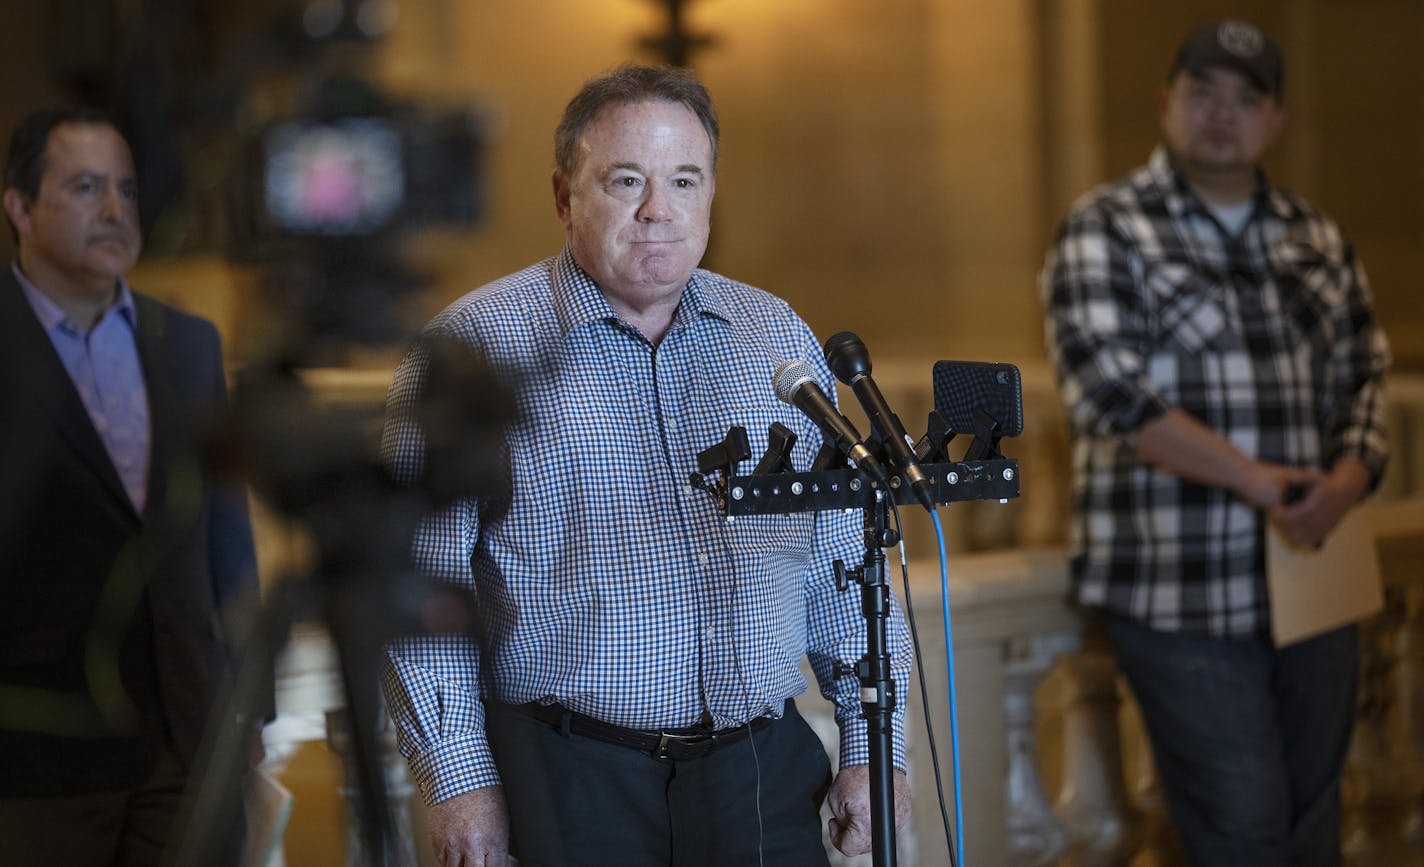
953,706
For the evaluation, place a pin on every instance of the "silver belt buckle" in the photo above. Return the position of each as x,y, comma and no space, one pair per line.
666,738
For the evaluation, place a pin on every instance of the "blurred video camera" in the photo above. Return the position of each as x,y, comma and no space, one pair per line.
325,194
354,166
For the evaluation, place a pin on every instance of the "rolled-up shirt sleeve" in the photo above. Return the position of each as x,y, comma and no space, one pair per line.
1357,369
1097,327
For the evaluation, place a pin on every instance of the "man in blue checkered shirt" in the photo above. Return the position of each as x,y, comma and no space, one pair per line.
1222,370
628,697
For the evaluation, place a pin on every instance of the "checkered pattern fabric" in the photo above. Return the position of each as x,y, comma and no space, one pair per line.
1267,336
609,583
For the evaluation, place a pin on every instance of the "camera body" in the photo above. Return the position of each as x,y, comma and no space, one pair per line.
354,166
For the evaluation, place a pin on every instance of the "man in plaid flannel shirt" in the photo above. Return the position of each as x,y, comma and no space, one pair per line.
1222,369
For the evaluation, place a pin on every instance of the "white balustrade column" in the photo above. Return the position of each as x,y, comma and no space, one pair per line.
1035,838
1006,608
1093,802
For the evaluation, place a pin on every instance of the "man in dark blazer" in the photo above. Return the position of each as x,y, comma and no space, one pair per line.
121,553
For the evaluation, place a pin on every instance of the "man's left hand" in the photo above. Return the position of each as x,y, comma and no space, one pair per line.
1306,522
850,808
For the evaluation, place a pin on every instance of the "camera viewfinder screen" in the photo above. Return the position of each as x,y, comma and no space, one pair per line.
341,178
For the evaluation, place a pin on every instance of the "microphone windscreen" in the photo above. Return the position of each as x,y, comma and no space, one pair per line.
847,356
788,378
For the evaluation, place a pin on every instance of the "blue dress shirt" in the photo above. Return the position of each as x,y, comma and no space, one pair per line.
609,584
104,366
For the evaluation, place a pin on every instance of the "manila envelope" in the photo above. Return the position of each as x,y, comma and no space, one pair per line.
1316,591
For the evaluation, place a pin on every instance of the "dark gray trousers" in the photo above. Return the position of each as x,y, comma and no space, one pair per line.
577,801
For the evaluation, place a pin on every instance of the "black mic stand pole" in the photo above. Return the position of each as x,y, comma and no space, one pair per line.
773,489
877,685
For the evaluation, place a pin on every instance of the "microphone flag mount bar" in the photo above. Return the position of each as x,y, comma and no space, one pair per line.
771,488
787,493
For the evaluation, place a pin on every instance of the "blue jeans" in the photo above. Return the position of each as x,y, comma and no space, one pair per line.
1249,740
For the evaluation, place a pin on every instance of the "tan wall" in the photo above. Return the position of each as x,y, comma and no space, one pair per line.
867,173
897,168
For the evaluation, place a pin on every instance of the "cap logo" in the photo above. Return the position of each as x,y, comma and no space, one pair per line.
1240,38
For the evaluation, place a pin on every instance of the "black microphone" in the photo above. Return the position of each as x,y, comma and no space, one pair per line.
850,362
795,383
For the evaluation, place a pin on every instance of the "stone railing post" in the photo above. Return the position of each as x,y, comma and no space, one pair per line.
1009,624
1035,837
1093,802
1384,776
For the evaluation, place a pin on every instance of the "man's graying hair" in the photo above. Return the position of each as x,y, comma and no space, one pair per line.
625,85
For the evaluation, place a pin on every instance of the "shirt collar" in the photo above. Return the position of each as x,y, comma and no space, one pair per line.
1179,198
52,316
578,300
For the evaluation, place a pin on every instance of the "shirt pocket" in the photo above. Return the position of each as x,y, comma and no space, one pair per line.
1312,294
1188,309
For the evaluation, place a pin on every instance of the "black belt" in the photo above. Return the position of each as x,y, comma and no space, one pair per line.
676,744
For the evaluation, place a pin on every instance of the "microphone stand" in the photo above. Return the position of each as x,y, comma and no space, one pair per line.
774,489
877,685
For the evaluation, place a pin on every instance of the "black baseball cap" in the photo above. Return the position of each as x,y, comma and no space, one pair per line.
1235,44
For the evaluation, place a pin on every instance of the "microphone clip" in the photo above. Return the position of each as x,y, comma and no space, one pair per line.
987,434
933,447
733,449
725,455
780,439
721,458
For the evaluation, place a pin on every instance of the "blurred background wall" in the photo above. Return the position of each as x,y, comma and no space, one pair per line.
894,168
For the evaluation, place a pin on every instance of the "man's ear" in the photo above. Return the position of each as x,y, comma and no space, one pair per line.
562,191
17,208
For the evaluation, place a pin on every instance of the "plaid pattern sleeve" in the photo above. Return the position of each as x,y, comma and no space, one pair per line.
1098,325
1357,369
607,582
1267,335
